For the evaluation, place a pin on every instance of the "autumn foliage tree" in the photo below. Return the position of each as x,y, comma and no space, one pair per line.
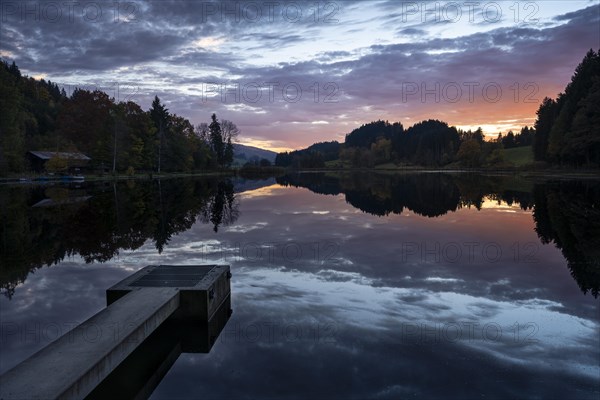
469,153
38,115
85,120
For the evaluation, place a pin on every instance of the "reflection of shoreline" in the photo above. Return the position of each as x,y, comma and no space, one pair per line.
124,216
427,194
100,220
565,212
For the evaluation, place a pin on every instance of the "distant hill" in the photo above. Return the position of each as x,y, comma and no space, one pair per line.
243,153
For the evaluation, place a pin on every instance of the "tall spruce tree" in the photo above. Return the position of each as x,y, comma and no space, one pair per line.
216,140
546,115
568,106
160,115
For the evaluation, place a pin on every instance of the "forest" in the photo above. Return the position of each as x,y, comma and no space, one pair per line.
117,136
566,133
568,127
121,137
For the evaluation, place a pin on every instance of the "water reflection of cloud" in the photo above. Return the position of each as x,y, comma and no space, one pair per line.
442,280
354,302
261,192
294,332
340,276
238,228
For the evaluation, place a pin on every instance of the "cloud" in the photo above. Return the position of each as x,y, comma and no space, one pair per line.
373,63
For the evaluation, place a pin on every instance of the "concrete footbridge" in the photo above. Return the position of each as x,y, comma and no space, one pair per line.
151,318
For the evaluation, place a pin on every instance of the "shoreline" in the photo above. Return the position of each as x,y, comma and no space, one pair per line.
550,173
536,173
35,179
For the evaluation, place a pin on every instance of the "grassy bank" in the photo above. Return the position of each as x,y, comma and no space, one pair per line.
519,156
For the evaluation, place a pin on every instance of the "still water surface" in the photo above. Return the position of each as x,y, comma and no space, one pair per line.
344,286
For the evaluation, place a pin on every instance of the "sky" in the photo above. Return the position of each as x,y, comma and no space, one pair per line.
292,73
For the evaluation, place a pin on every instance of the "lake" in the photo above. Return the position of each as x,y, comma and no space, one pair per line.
343,285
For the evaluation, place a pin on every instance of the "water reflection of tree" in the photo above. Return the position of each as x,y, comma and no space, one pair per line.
427,194
568,214
475,189
221,209
565,213
117,217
